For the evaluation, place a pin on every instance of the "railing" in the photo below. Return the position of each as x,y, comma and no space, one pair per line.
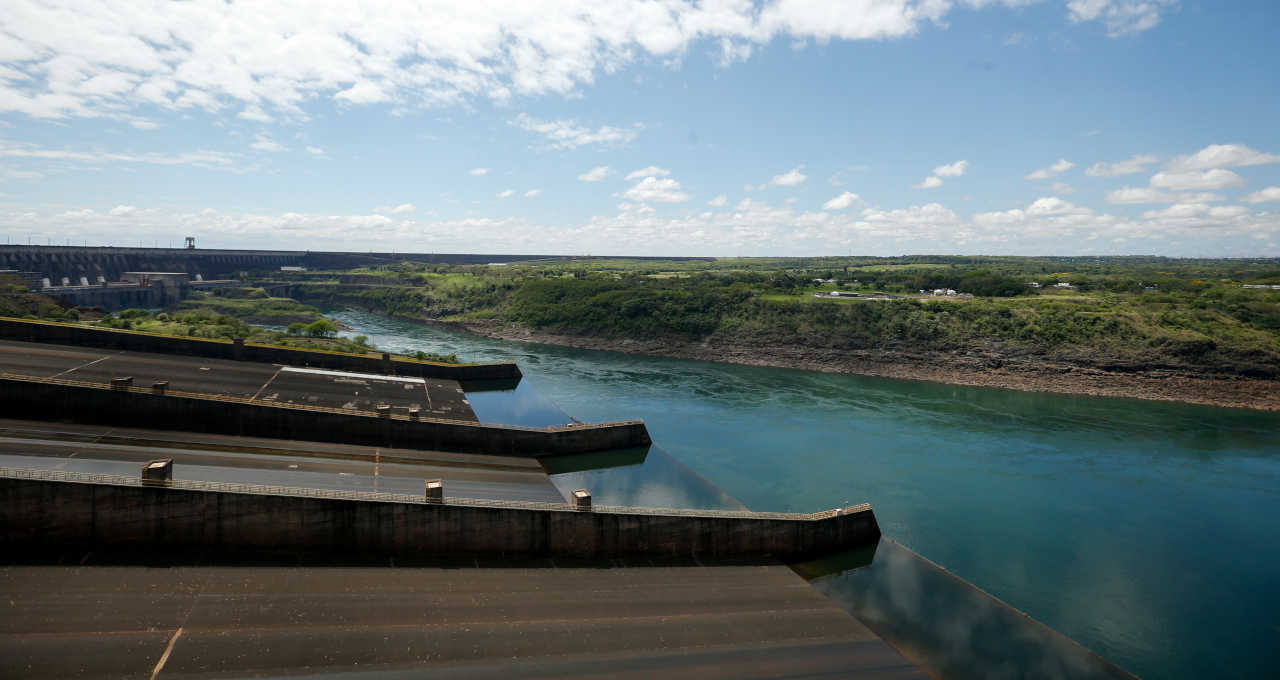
379,497
300,407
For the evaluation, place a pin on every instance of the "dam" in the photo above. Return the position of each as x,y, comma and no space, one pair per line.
406,552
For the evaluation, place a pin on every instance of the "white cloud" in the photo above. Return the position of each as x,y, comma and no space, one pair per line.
1196,214
144,124
479,171
1267,195
934,181
121,210
204,159
568,134
401,209
651,171
1131,166
1139,195
1062,188
117,55
789,178
532,192
1121,17
595,174
1217,156
507,193
1208,180
315,151
955,169
841,202
265,143
658,190
1058,168
719,201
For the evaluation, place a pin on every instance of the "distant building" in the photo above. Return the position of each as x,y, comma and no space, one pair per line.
1063,284
1034,284
943,292
293,269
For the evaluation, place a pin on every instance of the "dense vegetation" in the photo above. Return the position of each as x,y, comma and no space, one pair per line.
1121,312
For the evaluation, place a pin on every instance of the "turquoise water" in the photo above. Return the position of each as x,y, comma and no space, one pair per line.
1149,532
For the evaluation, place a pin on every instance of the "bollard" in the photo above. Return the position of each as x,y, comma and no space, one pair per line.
435,490
582,500
122,383
157,472
414,413
159,386
384,410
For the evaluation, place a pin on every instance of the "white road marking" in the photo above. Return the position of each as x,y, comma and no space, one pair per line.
268,382
81,366
345,374
168,650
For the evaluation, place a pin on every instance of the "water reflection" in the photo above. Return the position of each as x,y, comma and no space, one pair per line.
946,624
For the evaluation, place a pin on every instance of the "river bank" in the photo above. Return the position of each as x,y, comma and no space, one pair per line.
989,369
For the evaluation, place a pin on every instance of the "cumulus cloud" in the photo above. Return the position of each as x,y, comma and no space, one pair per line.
479,171
569,134
1058,168
117,55
121,210
651,171
315,151
595,174
1217,156
955,169
658,190
789,178
1268,195
719,201
752,227
507,193
532,192
934,181
1207,180
401,209
842,202
1062,188
1120,17
1131,166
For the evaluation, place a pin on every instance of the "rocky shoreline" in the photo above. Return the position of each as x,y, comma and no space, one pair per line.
989,370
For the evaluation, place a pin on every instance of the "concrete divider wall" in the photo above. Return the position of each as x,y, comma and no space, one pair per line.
56,515
39,399
69,334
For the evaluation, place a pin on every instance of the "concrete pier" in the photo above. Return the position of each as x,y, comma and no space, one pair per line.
80,402
54,511
83,336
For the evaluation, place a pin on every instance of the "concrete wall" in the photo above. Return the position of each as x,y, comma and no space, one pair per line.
53,515
35,399
69,334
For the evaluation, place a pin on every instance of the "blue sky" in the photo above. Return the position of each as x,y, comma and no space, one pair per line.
789,127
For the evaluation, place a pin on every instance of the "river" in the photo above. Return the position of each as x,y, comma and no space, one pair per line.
1147,531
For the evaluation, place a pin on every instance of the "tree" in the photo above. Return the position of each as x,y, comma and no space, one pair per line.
321,328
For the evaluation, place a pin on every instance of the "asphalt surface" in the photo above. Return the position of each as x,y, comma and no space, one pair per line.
310,465
246,379
619,621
